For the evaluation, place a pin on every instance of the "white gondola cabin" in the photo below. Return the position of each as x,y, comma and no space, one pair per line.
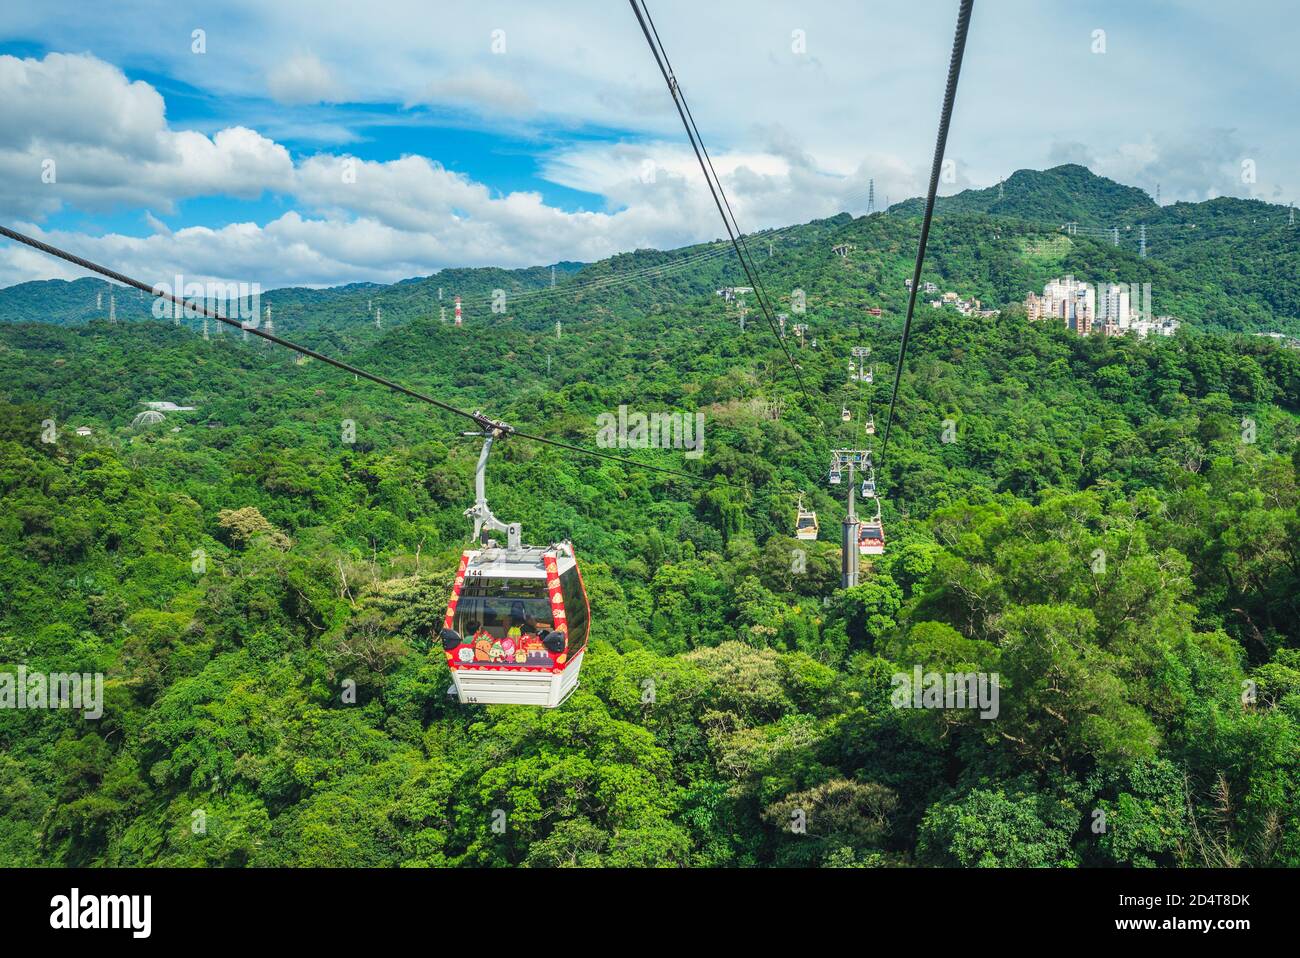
805,525
516,626
871,532
871,538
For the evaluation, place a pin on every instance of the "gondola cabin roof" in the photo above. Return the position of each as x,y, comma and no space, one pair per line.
525,562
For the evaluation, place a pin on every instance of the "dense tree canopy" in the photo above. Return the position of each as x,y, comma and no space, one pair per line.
1114,533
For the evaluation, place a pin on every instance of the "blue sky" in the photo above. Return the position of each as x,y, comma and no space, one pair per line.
495,133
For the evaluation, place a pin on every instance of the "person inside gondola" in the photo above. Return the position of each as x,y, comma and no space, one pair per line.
513,641
530,650
517,617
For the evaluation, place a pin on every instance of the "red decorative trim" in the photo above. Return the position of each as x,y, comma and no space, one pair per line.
458,666
455,591
559,620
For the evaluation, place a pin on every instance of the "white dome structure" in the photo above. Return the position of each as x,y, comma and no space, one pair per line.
147,418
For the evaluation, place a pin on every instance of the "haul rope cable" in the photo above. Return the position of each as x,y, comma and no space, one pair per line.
760,288
711,179
481,420
693,133
945,116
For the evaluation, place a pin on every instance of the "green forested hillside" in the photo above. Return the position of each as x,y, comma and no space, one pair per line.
1065,193
725,694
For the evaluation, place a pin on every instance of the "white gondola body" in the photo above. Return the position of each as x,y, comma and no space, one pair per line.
806,526
871,539
493,667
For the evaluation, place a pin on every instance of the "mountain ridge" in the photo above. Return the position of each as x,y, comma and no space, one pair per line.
1238,253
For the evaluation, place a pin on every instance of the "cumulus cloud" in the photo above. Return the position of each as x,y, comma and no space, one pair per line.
1194,165
77,100
792,141
106,143
1030,75
385,221
157,225
1072,151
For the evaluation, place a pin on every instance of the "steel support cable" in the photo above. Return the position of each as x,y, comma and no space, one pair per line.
756,279
643,16
945,117
198,308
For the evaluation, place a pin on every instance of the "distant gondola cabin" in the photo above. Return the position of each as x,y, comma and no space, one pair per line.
871,538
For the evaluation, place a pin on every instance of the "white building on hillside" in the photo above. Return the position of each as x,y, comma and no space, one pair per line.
1160,326
1072,302
1113,305
1114,309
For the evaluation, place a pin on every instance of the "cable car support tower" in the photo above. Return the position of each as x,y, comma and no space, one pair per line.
850,459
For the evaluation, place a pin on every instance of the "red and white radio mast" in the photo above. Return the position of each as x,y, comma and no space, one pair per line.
457,310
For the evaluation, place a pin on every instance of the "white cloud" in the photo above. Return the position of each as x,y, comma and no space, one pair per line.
77,100
302,79
157,225
870,80
110,144
412,216
1198,164
480,90
359,219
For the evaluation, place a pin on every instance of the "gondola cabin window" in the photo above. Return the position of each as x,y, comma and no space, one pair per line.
502,622
575,606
